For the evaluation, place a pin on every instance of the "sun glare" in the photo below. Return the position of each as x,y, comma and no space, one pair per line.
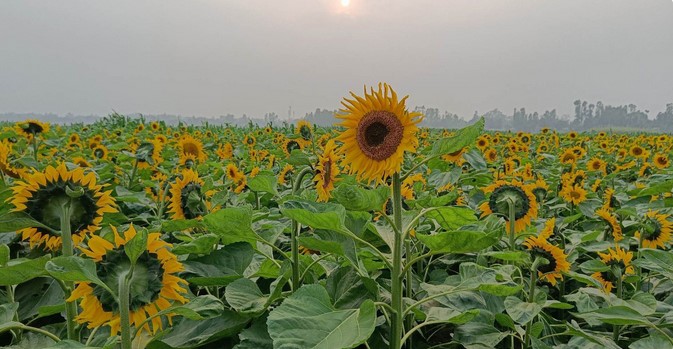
345,3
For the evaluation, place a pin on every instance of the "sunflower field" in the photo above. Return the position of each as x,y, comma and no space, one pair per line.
374,233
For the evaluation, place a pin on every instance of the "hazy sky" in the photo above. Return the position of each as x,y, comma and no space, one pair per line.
213,57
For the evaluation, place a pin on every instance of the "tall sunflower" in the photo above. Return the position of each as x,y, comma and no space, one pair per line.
42,194
619,258
304,130
31,128
502,192
656,231
558,260
326,171
188,201
154,284
613,224
574,194
379,129
291,144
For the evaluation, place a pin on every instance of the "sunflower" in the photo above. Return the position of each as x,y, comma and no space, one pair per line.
619,258
155,126
80,161
574,194
482,143
456,156
249,140
31,128
100,152
491,155
558,260
285,175
268,130
525,203
539,189
154,284
326,172
568,157
187,198
148,153
304,130
661,161
613,223
42,194
233,173
596,165
189,145
6,165
379,129
291,144
637,151
225,151
656,230
74,138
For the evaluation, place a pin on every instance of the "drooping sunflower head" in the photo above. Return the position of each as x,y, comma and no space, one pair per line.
285,175
148,153
555,256
7,165
188,201
504,194
326,171
379,130
304,130
154,284
291,144
617,258
655,231
613,224
31,128
491,155
540,189
189,145
225,151
43,194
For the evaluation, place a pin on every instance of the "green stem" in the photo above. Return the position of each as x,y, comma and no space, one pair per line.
512,225
35,146
162,205
67,251
32,329
397,325
124,309
133,174
531,296
409,287
616,328
295,229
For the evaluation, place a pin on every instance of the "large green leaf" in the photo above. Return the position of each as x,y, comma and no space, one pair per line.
199,308
187,334
452,218
521,312
316,215
618,315
256,336
355,198
461,139
231,224
264,183
73,268
308,320
221,267
459,241
657,260
12,221
21,270
348,289
202,244
245,297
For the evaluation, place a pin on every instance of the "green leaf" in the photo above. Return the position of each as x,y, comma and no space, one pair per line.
520,311
355,198
654,341
618,315
298,158
232,224
221,267
21,270
73,268
7,311
308,320
653,189
4,255
256,336
136,246
202,244
452,218
199,308
657,260
245,297
264,183
180,225
451,315
463,138
512,256
348,289
186,333
13,221
459,241
316,215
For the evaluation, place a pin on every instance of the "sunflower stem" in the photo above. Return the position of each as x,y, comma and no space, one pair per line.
67,251
296,228
512,224
397,324
531,296
35,146
133,173
124,309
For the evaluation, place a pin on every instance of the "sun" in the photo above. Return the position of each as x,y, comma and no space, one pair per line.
345,3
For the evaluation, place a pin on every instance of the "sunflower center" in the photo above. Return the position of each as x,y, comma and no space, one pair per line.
146,282
379,134
549,267
502,196
45,206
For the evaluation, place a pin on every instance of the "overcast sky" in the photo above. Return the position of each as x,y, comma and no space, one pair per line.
213,57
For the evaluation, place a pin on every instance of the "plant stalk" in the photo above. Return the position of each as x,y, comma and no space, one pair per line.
397,325
67,251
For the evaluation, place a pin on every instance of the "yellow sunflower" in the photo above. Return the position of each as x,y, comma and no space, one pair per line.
326,171
613,223
291,144
574,194
596,165
491,155
619,257
558,260
42,194
225,151
249,140
100,152
661,161
148,153
379,129
154,284
502,192
285,175
189,145
304,130
188,201
656,230
6,165
31,128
